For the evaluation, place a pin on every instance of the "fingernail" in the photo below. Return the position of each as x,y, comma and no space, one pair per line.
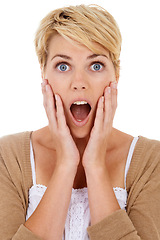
109,90
47,88
102,99
114,85
42,83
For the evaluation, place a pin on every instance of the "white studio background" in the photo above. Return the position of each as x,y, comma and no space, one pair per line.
21,104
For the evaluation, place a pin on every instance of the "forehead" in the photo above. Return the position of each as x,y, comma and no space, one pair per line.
61,45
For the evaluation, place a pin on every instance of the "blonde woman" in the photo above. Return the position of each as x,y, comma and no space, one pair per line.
78,177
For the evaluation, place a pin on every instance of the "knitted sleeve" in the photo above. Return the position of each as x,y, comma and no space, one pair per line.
12,197
141,221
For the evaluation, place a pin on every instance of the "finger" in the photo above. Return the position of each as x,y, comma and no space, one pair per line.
49,105
114,96
61,120
43,85
108,105
99,113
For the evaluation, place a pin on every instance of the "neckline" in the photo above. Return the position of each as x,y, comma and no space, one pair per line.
129,158
138,155
76,191
127,166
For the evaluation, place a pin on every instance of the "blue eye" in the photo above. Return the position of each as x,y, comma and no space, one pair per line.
96,67
63,67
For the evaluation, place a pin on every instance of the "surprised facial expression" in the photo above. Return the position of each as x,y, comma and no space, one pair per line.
79,76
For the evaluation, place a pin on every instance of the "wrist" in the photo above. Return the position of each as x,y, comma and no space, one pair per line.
97,175
95,169
66,168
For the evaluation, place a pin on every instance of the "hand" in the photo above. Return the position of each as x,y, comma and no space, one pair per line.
66,150
95,152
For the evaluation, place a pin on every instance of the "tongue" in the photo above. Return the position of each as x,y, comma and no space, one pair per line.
80,112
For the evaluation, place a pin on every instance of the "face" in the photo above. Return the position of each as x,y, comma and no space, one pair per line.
79,76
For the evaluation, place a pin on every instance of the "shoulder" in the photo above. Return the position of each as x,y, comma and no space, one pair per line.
15,144
15,155
143,178
148,150
15,147
151,142
14,139
15,167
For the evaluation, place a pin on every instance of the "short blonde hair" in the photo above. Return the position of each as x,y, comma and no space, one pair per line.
86,24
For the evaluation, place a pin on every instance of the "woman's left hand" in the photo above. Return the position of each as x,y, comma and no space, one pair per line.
95,152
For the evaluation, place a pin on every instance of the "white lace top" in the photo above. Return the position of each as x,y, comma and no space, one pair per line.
78,217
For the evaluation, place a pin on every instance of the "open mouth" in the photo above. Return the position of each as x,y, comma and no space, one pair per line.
80,110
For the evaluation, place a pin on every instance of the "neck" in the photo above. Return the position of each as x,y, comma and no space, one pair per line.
81,143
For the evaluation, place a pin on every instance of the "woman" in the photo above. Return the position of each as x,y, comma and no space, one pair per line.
70,180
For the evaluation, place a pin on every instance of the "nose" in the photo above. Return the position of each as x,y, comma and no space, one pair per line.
79,81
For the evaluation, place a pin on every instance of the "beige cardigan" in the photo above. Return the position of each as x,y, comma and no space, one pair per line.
141,221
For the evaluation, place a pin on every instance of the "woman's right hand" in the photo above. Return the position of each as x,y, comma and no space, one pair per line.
67,153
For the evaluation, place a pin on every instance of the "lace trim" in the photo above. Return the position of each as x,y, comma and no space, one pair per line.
78,195
37,189
79,190
121,195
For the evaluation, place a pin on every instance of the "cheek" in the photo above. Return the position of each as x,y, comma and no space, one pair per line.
105,82
56,88
111,77
51,80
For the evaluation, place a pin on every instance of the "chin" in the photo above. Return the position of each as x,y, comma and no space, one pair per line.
80,132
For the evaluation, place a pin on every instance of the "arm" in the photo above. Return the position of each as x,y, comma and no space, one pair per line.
108,221
12,210
48,220
51,211
141,221
102,200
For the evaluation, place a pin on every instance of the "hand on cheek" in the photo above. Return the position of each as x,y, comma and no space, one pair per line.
95,151
66,150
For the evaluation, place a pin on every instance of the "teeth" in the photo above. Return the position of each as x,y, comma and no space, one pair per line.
80,102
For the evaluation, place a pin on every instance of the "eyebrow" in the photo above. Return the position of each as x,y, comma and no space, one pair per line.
69,58
96,55
61,56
